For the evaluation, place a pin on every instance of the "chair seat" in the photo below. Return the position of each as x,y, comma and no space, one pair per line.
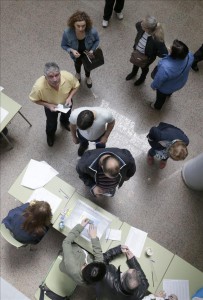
8,236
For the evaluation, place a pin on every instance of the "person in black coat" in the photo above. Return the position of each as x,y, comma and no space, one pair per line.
166,141
150,42
102,170
131,285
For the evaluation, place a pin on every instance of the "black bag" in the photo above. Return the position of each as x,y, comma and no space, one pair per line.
154,72
93,61
44,290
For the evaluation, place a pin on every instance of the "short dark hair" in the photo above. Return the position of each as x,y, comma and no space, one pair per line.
94,272
85,119
179,50
113,172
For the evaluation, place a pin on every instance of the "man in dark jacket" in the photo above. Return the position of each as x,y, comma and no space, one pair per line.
102,170
131,285
166,141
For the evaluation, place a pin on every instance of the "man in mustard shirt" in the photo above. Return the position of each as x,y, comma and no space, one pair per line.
55,87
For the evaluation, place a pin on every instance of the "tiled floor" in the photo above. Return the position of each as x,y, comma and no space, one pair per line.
163,206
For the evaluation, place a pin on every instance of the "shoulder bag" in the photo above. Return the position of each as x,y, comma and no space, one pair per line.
139,59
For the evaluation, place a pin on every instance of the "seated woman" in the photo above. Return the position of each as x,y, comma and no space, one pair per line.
29,222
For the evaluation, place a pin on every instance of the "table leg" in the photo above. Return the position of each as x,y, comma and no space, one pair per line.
25,118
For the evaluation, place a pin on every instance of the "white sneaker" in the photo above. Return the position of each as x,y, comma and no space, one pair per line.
89,82
120,15
105,23
77,75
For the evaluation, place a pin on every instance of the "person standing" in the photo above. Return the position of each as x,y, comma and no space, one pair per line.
55,87
108,9
78,38
198,56
150,42
103,170
172,73
91,124
166,141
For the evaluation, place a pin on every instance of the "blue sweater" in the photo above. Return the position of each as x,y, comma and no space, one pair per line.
169,77
14,221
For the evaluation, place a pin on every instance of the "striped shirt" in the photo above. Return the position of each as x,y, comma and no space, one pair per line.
105,183
142,43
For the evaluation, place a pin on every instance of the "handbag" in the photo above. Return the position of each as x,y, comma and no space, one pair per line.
44,290
139,59
94,60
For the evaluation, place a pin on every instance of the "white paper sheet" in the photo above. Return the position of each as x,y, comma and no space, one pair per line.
61,108
82,211
135,240
3,114
38,174
178,287
1,88
43,195
113,234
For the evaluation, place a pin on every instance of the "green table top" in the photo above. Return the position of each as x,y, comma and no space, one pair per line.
22,193
115,224
11,106
180,269
161,257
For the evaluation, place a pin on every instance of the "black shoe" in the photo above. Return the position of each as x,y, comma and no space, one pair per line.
130,76
82,149
195,67
89,82
66,126
139,81
50,140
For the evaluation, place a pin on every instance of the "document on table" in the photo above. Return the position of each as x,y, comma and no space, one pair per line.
62,108
38,174
82,211
3,114
135,240
178,287
43,195
113,234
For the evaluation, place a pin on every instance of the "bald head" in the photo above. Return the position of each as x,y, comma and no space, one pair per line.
110,166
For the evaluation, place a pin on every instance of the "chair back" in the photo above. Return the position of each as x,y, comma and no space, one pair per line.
57,281
8,236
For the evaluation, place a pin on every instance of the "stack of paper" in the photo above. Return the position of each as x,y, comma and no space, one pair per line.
43,195
135,240
38,174
178,287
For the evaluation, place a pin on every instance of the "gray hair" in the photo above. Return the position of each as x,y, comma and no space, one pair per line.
51,67
131,280
150,22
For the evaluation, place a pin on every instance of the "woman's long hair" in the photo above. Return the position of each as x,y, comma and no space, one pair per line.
37,216
154,28
80,16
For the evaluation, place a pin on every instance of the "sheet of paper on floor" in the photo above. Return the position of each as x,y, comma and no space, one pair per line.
42,194
38,174
178,287
82,211
135,240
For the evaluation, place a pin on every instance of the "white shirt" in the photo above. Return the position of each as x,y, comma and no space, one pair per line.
102,117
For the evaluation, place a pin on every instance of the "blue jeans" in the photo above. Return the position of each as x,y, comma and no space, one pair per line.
84,142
